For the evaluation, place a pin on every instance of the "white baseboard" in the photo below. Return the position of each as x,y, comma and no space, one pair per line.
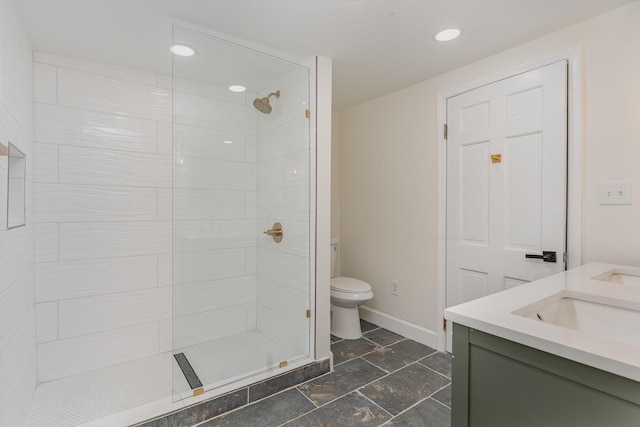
417,333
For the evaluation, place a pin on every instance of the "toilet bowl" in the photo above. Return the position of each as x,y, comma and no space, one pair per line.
346,295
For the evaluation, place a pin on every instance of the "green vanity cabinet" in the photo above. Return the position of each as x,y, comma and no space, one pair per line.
499,383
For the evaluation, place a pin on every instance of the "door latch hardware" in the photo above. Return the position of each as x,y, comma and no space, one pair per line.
547,256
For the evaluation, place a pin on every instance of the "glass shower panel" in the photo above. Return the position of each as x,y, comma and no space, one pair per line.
242,162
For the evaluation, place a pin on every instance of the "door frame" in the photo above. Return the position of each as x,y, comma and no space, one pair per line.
574,163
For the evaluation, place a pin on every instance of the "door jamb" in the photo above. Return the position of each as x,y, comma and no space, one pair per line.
574,162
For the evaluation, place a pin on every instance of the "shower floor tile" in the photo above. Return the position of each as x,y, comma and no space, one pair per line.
85,397
105,392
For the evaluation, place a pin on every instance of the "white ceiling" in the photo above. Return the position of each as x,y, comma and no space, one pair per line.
378,46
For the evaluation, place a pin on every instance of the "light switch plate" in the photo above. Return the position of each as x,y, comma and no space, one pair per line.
615,193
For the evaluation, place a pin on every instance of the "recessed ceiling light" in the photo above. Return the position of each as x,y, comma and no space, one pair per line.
446,35
227,142
183,50
237,88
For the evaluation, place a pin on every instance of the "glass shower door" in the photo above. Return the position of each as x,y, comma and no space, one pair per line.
243,161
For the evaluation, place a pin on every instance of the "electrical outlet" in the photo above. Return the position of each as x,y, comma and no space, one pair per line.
395,288
615,193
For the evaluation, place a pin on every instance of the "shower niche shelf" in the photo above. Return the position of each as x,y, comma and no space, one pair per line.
16,182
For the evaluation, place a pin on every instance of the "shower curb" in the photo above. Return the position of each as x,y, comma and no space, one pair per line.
244,396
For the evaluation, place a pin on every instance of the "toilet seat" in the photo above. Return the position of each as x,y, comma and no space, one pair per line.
349,285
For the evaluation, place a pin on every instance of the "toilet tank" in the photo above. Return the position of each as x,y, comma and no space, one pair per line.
334,255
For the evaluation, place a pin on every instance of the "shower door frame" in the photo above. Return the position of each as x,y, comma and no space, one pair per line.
320,132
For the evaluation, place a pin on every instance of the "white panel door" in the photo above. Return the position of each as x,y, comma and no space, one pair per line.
500,210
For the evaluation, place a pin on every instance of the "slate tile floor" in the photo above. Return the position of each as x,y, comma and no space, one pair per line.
382,379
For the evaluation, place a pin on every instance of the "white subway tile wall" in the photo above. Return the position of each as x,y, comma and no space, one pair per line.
62,358
47,321
17,310
103,215
105,206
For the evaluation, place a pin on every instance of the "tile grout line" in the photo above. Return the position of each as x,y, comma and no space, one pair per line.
351,391
269,396
436,400
334,400
413,406
307,397
356,390
378,346
370,400
413,363
431,369
421,400
438,391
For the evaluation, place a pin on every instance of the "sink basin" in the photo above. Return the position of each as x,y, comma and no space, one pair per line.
621,276
579,312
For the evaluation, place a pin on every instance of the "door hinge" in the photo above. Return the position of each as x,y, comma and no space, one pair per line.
446,131
444,324
308,114
308,314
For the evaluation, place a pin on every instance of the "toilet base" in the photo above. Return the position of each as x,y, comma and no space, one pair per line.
345,322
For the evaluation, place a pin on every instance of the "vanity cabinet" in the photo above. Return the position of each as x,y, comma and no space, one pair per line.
499,383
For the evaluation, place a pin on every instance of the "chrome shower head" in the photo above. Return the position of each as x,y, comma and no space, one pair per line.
263,105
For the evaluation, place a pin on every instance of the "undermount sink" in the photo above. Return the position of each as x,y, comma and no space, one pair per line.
579,312
621,276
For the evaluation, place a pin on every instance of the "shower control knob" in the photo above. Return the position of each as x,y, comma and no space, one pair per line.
276,232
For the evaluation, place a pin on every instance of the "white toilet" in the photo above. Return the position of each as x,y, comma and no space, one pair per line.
346,295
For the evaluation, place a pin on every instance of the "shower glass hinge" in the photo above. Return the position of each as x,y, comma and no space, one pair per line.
308,314
198,391
308,114
284,364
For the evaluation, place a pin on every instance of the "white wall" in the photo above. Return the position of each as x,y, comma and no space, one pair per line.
103,214
17,318
388,154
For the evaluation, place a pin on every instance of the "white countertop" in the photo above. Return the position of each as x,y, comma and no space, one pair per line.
493,315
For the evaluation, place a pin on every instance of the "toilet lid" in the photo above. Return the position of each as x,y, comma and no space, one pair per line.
348,284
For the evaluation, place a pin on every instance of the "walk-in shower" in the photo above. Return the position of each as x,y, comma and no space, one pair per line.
156,285
240,298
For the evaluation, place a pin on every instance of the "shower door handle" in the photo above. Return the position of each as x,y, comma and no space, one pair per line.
276,232
547,256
